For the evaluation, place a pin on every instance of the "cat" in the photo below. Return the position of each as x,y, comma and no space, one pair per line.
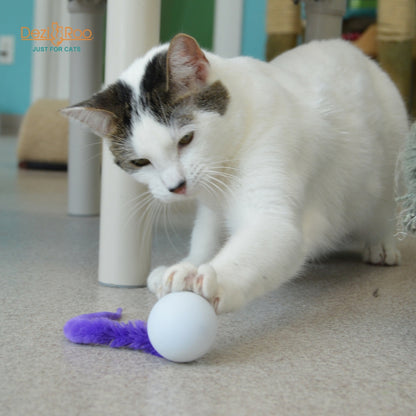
287,160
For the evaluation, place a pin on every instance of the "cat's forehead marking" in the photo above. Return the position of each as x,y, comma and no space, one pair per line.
165,105
215,98
154,95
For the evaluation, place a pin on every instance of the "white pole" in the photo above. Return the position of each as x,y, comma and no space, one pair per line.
228,27
84,152
324,19
125,240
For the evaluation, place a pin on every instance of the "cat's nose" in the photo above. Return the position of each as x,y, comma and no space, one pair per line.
179,189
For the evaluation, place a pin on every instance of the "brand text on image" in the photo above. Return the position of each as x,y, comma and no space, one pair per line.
56,34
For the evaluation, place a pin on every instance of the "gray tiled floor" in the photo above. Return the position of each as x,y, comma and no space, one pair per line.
341,340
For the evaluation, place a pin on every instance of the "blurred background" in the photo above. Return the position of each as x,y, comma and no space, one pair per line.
20,82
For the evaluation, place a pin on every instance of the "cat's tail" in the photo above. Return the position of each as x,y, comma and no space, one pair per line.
407,163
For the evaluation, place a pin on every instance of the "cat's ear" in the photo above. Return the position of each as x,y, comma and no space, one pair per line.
187,66
100,121
105,111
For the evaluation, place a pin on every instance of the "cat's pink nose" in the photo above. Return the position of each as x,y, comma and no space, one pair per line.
180,189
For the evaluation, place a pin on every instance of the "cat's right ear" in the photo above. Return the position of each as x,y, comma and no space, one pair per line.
187,64
100,121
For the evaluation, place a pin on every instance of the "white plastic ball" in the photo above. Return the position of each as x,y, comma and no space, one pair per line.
182,326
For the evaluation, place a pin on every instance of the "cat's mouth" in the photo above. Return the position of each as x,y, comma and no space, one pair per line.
180,189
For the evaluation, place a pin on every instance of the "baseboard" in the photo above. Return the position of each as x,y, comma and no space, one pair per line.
10,124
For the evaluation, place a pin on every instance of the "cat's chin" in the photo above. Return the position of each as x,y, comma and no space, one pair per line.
171,198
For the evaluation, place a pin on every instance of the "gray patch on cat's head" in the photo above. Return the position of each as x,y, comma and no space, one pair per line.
162,100
214,98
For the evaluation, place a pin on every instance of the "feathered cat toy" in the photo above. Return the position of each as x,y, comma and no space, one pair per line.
103,328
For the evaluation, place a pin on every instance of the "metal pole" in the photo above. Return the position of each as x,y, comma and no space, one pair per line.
86,67
324,18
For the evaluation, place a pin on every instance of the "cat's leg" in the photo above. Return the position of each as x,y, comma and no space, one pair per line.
205,242
207,236
380,245
258,258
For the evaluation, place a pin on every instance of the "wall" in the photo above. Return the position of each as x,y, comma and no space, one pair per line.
177,16
194,17
15,79
254,28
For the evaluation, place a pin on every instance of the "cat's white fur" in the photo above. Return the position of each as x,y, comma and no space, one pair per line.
302,160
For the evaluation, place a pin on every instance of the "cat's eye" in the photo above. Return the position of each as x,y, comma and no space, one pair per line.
186,139
140,162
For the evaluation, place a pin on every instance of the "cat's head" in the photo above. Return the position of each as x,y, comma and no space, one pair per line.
161,119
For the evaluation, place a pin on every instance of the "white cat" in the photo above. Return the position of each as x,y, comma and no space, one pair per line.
287,159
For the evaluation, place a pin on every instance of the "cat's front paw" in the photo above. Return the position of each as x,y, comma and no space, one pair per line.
382,255
155,279
185,276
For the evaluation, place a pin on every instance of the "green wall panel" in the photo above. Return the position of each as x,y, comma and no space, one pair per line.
194,17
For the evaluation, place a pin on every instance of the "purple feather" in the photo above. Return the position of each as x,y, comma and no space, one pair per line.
102,328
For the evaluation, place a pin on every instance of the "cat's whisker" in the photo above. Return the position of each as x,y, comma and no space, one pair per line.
221,179
221,167
156,214
162,222
210,191
217,185
223,171
205,184
86,146
138,200
151,215
166,224
171,211
140,209
93,157
139,212
215,191
213,180
223,176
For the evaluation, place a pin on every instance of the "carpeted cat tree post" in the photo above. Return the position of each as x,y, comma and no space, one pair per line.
43,136
283,25
395,32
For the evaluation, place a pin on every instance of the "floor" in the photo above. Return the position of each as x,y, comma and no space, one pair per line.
340,340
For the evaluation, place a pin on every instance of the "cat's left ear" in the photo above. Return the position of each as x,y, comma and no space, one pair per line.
101,122
187,66
105,111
